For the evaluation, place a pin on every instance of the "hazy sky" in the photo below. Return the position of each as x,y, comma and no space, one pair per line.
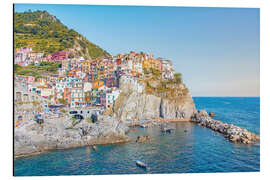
216,49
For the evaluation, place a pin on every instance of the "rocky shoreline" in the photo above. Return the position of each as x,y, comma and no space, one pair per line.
231,132
34,145
34,139
100,141
58,133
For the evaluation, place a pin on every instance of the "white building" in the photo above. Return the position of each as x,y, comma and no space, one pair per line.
87,86
77,95
137,66
167,69
46,92
111,97
59,87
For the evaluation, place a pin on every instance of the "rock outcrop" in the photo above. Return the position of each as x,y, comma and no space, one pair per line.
143,139
212,114
136,105
57,133
230,131
182,107
152,99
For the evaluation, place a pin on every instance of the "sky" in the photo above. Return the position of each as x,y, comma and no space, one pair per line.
217,50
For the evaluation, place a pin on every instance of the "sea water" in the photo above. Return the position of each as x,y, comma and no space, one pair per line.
188,149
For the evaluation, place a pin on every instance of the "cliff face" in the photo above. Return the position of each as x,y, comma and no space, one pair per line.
136,105
179,108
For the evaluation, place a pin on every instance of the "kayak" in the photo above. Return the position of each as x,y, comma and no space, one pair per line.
140,164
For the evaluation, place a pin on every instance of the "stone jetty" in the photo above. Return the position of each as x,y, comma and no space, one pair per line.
230,131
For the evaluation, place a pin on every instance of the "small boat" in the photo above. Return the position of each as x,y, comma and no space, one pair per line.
166,128
140,164
143,125
95,147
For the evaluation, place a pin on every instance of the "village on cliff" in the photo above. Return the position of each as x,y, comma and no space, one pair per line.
82,82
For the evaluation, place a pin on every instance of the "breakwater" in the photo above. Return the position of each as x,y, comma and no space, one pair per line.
230,131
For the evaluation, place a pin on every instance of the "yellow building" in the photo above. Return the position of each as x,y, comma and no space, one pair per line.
146,64
86,66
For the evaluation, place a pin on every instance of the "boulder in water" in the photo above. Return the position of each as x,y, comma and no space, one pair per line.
142,139
212,114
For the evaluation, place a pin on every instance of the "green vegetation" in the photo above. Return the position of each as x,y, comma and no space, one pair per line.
37,71
63,101
89,120
63,111
155,72
178,78
170,89
45,33
71,56
50,97
145,71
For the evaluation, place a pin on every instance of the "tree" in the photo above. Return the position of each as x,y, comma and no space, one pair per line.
62,101
45,33
17,68
145,71
50,97
178,78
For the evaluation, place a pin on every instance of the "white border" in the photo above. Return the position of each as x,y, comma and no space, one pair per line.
6,83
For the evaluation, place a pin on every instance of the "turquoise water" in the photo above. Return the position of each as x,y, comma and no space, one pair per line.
188,149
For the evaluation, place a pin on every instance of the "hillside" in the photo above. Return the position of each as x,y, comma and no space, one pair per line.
45,33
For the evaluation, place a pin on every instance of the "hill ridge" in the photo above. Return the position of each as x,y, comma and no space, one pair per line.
45,33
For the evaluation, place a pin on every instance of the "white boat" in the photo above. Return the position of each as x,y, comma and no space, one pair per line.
167,128
140,164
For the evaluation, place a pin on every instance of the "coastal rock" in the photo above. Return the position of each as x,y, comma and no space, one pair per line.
136,105
179,108
212,114
230,131
56,133
142,139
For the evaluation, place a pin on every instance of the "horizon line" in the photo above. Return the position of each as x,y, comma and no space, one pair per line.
226,96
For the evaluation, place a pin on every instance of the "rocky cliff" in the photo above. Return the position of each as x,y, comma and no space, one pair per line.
133,105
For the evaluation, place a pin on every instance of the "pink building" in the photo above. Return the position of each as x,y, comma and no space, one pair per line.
30,79
26,49
61,55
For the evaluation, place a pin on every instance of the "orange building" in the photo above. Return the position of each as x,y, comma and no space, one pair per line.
67,95
86,66
97,84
